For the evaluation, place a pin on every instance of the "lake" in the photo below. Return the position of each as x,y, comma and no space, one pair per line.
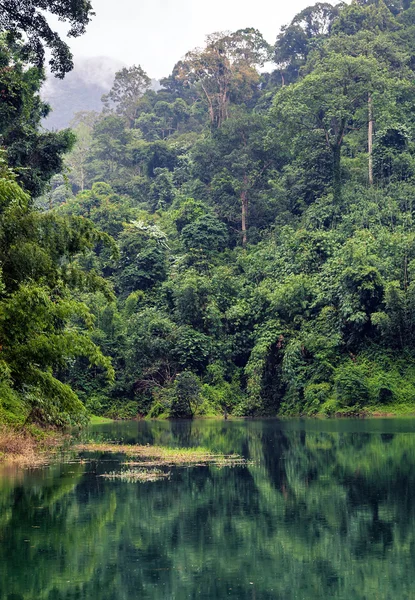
323,509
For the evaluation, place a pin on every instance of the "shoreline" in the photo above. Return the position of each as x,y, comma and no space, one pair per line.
32,446
364,414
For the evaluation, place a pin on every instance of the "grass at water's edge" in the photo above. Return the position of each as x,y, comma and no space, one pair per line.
29,446
149,463
391,410
395,410
142,475
96,420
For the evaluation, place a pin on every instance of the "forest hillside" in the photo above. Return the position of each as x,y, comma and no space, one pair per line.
238,241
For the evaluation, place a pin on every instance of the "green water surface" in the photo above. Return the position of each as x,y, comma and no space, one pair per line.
324,509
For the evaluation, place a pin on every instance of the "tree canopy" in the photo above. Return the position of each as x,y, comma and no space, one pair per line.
238,241
28,21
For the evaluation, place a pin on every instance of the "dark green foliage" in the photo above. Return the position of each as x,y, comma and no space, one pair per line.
142,261
185,396
28,21
263,257
36,154
207,234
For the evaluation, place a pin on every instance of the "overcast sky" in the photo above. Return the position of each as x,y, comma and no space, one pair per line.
157,33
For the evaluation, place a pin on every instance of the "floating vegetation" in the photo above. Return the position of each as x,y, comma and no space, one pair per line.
142,475
158,456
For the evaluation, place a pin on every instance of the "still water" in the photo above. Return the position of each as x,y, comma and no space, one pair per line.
325,509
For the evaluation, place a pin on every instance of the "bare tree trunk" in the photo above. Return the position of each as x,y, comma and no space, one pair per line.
244,215
244,206
210,106
337,182
370,138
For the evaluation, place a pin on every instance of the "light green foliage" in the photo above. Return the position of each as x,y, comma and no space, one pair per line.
77,160
128,87
38,332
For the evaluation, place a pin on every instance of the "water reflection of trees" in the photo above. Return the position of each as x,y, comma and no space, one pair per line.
317,515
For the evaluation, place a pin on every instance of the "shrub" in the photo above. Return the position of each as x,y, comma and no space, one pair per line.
315,395
186,395
351,385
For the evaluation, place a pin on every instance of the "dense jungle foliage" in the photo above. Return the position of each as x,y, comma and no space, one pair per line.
241,241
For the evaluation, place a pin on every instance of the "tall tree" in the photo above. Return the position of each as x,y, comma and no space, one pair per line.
305,32
109,152
371,30
327,101
128,87
237,166
77,160
225,69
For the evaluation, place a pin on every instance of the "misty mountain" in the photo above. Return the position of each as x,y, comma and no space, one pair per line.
81,89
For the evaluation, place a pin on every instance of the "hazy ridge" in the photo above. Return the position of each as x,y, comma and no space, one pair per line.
81,89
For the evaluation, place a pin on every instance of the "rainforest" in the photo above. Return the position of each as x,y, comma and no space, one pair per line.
239,241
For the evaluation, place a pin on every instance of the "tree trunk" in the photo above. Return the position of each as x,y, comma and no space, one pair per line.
337,182
370,138
244,202
244,206
210,106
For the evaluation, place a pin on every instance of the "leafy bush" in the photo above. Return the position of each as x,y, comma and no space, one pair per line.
315,396
185,395
207,233
351,385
